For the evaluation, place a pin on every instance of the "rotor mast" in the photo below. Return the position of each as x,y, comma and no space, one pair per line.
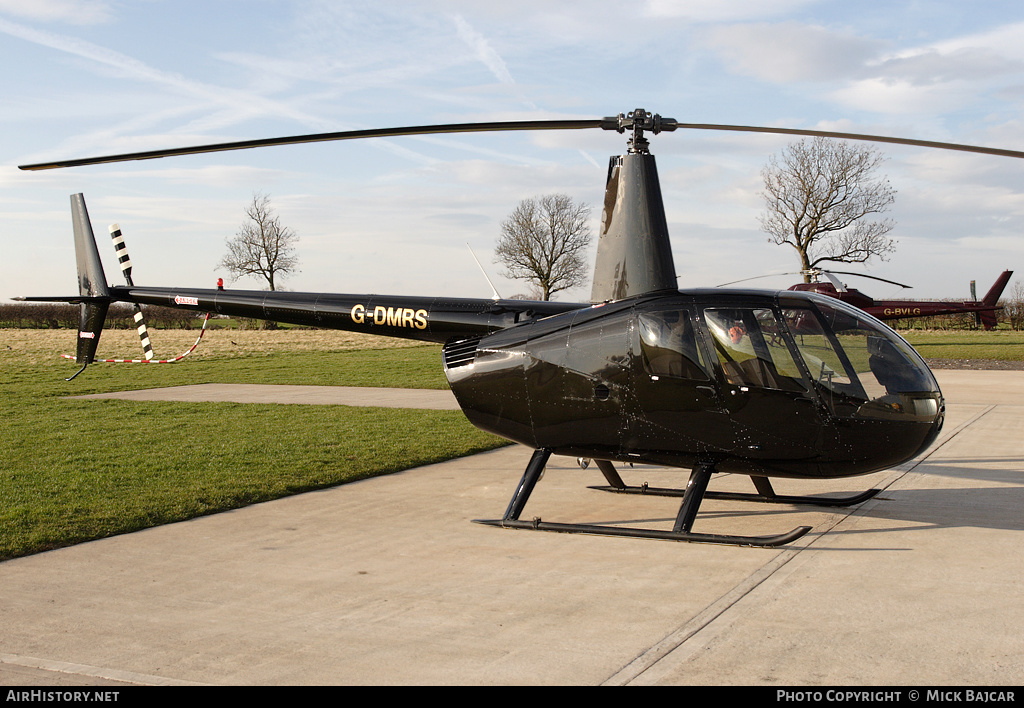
634,253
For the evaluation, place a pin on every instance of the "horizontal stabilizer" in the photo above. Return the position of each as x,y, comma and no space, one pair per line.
73,299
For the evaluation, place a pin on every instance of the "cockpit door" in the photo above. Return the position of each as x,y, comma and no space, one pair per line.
679,409
774,413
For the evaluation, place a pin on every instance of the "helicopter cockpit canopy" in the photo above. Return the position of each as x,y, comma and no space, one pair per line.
807,347
859,366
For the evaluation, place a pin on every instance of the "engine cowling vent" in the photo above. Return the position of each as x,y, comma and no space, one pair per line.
460,352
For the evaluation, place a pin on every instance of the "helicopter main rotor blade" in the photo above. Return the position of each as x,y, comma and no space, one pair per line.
873,277
325,137
836,282
638,120
817,272
756,277
853,136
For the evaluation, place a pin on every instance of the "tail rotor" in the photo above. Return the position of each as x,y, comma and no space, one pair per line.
126,269
95,296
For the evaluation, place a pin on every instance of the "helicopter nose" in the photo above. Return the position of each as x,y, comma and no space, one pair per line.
934,429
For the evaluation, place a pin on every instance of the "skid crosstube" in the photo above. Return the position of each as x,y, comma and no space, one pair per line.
695,491
765,493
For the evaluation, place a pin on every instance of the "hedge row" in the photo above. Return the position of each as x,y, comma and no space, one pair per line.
55,315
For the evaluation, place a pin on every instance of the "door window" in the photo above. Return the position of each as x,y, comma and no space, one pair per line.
669,345
752,348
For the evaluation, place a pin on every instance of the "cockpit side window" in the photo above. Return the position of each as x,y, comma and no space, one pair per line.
669,345
752,349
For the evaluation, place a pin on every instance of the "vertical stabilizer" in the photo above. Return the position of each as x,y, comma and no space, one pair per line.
988,318
993,294
634,255
92,283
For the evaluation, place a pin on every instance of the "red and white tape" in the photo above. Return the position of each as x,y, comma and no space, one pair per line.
151,361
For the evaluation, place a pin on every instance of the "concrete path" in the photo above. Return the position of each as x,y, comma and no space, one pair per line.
387,581
306,395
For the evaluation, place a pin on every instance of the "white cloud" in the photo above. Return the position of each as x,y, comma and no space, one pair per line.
483,50
76,12
791,51
722,10
1005,40
868,74
931,66
903,97
960,67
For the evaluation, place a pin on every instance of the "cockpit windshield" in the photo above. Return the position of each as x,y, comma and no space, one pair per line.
860,366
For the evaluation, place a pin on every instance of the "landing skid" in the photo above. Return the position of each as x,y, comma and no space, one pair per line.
692,496
765,492
604,530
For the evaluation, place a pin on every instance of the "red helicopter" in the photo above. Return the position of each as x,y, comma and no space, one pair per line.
984,309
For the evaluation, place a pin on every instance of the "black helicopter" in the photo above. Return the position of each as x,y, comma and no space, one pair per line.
766,384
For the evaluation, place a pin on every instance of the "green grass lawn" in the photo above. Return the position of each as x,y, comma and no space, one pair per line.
73,470
1002,345
76,470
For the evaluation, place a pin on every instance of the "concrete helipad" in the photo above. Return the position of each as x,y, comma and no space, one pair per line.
387,581
305,395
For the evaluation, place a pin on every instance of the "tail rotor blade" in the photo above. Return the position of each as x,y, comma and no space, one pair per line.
126,269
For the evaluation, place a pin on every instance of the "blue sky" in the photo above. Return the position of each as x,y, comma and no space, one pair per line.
93,77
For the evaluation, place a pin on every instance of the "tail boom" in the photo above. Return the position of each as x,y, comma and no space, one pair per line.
427,319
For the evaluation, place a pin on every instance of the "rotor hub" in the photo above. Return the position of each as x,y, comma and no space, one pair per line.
639,120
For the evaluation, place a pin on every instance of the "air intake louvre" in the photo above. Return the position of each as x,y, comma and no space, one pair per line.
460,352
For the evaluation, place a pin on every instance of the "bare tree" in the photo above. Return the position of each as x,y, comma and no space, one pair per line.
261,247
543,241
816,196
1013,306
